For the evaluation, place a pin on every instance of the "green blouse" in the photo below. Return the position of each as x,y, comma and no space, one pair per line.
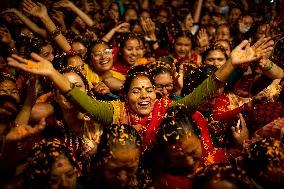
103,111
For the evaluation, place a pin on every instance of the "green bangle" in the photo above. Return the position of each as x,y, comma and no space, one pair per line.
268,68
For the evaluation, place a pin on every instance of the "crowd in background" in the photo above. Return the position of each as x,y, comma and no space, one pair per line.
141,94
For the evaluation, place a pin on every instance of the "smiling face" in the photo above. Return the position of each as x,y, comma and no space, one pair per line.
182,46
101,58
122,167
131,51
63,174
185,155
141,96
188,22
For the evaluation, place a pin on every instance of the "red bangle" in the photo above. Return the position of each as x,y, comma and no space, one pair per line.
71,52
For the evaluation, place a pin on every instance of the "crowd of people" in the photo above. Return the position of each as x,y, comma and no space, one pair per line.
128,94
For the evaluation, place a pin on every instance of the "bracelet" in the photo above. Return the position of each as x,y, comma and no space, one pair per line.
54,33
71,52
269,67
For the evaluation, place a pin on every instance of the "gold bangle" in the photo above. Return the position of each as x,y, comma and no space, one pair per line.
54,33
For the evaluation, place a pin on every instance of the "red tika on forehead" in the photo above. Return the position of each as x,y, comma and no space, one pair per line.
60,164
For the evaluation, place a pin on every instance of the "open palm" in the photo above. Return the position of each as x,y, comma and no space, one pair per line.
36,9
244,53
40,66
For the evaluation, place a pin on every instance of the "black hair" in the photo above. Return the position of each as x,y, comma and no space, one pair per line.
175,125
128,7
183,34
126,37
134,72
261,155
36,44
92,46
158,67
41,158
113,136
214,46
219,172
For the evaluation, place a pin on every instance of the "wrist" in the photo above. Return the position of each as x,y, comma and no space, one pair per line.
266,66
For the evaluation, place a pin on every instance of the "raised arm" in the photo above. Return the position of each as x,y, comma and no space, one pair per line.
197,11
70,5
123,27
99,110
25,112
35,28
242,54
270,69
39,10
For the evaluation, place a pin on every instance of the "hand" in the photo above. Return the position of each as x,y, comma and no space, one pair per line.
22,132
244,53
40,66
92,35
270,93
35,9
11,10
101,88
178,78
88,6
122,28
202,38
58,16
240,131
149,28
32,88
63,3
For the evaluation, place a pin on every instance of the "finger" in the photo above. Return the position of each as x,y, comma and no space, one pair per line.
27,6
19,59
42,124
181,70
26,10
233,129
260,42
35,56
242,45
27,3
41,5
268,44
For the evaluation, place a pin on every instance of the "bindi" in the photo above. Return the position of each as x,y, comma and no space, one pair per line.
59,164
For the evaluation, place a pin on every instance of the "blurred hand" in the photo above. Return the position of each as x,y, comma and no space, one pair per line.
244,53
22,132
240,131
35,9
40,66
